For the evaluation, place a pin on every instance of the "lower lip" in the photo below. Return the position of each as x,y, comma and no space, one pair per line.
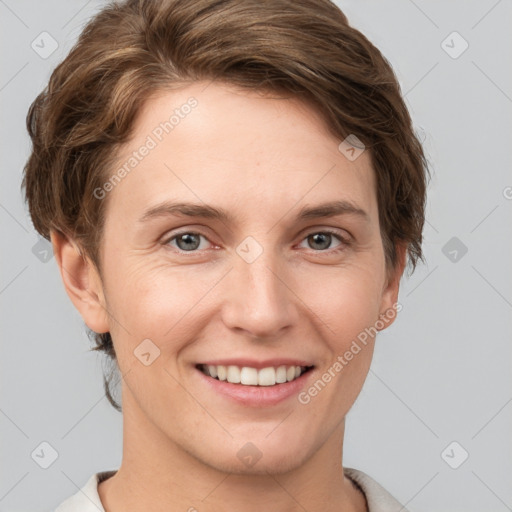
256,396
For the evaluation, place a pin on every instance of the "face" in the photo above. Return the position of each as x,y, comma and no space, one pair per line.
273,283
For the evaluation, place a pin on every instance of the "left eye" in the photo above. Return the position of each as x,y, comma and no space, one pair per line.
190,241
324,239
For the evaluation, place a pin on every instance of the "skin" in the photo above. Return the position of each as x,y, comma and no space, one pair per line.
262,159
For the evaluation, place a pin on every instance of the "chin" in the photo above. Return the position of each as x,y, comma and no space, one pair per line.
256,457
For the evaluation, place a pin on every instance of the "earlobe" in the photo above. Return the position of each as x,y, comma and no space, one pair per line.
389,301
81,282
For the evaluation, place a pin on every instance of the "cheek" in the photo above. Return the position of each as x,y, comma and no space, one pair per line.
349,309
346,300
153,301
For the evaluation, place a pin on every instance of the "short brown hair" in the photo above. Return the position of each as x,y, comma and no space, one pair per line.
135,48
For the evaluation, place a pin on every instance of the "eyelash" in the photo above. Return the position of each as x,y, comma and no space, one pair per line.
345,242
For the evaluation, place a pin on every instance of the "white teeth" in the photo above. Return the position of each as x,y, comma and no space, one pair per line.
233,374
267,376
281,374
221,372
249,376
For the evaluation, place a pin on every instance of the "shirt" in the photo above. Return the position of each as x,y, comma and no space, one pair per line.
378,499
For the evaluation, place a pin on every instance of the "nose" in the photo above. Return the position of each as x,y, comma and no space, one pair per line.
260,301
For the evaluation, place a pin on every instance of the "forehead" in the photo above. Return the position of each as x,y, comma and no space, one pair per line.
214,143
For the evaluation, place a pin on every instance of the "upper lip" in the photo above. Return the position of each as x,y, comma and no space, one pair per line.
252,363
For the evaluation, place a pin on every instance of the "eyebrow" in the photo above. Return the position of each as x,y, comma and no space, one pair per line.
324,210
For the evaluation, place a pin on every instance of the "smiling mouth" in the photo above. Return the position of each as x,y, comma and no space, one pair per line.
248,376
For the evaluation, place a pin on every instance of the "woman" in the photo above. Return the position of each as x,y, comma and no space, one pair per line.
232,190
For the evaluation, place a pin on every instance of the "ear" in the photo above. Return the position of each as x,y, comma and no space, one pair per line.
81,281
389,304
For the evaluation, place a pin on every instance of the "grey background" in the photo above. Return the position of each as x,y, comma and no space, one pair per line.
441,373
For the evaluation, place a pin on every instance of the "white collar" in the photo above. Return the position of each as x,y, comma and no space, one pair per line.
87,498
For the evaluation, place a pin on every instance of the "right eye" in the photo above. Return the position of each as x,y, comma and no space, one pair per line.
186,241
